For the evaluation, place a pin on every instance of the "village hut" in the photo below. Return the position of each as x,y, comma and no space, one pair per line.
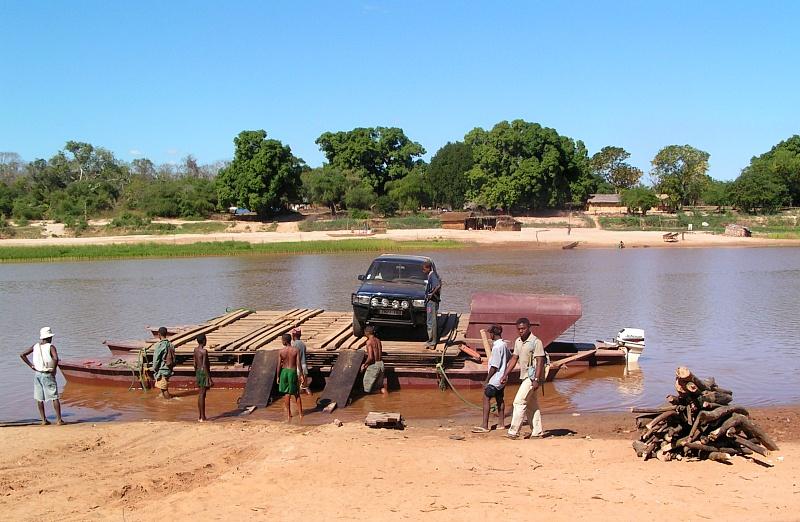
606,204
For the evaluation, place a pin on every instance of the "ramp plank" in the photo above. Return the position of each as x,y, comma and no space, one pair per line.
260,380
343,377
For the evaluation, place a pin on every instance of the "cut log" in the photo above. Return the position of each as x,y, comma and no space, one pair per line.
711,449
719,456
717,396
749,444
652,411
708,417
661,418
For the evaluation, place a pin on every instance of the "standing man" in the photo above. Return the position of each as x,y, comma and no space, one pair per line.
529,353
202,374
288,365
494,387
433,296
45,362
373,367
303,369
163,362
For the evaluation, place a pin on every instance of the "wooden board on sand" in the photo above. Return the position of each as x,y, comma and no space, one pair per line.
260,380
343,377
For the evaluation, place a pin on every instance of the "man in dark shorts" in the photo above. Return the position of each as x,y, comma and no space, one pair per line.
288,383
202,373
495,388
373,365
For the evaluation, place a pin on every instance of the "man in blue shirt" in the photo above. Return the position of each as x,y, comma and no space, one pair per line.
433,295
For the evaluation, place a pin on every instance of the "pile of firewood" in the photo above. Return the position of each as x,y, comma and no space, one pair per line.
699,422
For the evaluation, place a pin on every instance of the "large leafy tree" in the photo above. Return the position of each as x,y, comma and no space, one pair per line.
448,174
639,199
680,171
609,164
327,185
524,165
411,191
378,154
263,176
755,189
780,165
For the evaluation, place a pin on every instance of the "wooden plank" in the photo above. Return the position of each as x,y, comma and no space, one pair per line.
556,366
342,378
260,380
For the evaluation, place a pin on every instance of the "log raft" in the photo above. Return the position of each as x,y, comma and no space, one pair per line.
699,422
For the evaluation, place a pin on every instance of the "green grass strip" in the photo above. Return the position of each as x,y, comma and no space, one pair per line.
218,248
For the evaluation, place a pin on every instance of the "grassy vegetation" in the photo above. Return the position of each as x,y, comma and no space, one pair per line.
408,222
226,248
546,224
404,222
761,225
203,227
26,232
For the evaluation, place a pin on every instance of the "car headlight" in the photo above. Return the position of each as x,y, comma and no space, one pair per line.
375,303
385,302
395,304
404,305
361,299
418,303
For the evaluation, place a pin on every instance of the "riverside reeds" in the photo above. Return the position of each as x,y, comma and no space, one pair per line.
215,248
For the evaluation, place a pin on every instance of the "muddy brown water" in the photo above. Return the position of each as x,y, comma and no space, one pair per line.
730,313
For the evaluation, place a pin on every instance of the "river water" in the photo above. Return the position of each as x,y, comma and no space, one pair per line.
727,312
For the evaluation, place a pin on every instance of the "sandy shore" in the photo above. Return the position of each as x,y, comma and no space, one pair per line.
534,237
237,469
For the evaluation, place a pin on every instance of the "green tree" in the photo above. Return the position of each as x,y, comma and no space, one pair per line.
609,164
639,199
756,189
717,193
327,185
680,171
360,197
263,176
411,191
378,154
525,165
780,164
448,174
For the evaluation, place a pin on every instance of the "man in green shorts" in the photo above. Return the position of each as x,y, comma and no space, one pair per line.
202,373
288,383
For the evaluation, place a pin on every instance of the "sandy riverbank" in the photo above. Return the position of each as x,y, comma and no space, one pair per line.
237,469
533,237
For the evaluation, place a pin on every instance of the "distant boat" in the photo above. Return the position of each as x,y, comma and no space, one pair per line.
570,245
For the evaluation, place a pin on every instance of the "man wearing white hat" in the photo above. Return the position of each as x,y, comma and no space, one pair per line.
45,362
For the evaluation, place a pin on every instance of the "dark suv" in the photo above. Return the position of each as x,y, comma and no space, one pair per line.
392,292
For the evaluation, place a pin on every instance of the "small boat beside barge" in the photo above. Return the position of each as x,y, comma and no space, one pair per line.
233,339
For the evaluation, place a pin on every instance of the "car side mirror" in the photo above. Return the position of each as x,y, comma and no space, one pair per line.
360,277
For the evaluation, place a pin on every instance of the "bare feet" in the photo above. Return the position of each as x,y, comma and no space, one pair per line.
60,422
45,422
201,420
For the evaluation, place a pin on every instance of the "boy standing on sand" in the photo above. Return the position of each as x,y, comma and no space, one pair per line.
202,373
163,361
494,388
288,384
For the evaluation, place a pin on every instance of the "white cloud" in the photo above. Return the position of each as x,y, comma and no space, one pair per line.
135,152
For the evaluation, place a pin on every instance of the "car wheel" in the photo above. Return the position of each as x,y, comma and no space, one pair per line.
358,328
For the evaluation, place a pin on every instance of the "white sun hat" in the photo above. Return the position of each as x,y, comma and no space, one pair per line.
45,333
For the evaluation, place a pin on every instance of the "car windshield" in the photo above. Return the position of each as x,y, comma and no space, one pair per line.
396,271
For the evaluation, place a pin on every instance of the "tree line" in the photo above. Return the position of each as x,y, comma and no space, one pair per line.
514,166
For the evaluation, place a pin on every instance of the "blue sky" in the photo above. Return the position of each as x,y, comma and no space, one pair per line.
167,79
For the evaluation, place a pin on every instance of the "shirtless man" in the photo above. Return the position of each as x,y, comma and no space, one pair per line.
202,373
373,366
287,376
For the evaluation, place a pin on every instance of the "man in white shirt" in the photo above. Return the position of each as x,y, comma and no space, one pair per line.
494,387
45,363
528,351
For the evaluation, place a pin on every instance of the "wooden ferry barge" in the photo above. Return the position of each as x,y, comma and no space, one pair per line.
234,338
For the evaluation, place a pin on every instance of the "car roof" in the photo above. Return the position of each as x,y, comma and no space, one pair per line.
403,258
